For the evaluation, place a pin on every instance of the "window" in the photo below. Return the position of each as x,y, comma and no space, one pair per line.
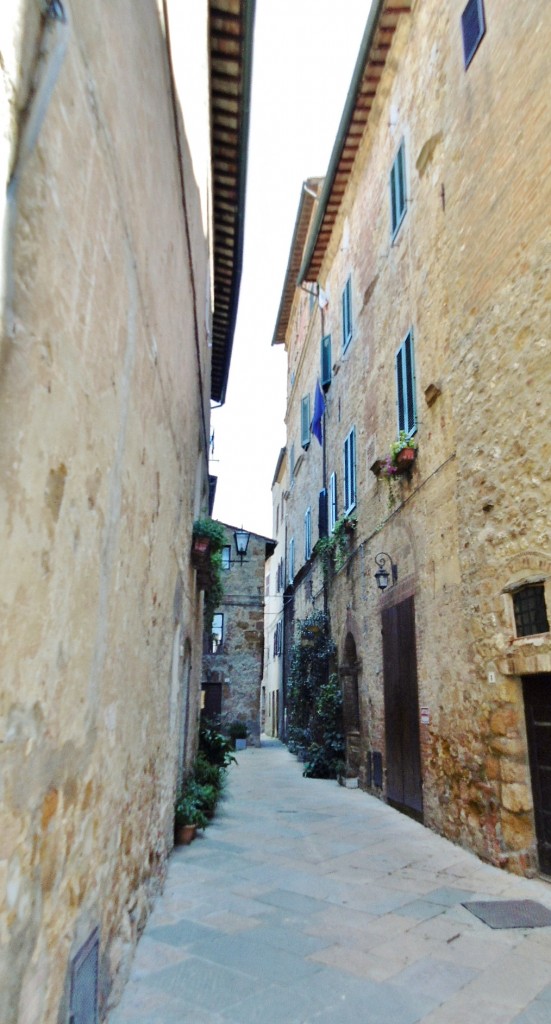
308,533
350,471
347,314
217,632
292,465
305,421
405,386
530,610
333,514
291,559
325,361
398,190
226,556
267,586
473,28
278,639
277,519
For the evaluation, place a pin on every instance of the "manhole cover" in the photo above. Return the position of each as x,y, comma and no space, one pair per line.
510,913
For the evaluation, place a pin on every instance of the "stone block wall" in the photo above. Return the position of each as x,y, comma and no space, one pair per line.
103,466
237,664
468,272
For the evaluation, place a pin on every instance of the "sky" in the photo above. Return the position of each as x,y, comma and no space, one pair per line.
304,56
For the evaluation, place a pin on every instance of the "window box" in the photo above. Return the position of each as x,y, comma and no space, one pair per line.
404,460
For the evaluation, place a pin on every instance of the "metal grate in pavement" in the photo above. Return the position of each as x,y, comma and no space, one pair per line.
510,913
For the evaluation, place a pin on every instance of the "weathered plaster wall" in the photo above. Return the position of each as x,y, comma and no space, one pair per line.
469,272
103,468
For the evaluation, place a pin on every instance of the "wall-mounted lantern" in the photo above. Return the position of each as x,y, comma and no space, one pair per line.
241,542
383,574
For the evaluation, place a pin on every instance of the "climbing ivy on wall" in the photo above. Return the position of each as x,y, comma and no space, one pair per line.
314,700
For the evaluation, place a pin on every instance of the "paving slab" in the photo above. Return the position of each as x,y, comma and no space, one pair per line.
306,903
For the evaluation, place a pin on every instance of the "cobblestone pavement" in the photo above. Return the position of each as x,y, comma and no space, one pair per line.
306,902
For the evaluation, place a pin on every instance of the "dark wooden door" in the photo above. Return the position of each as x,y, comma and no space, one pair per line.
213,701
537,704
403,754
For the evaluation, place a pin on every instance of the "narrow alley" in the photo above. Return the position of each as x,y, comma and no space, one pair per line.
304,902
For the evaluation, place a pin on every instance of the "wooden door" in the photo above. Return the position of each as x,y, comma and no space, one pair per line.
403,754
537,704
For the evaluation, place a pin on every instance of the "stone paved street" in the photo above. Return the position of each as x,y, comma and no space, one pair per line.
305,902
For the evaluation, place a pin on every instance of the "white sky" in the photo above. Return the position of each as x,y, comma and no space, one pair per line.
304,56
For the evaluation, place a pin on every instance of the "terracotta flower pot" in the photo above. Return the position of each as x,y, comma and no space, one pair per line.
184,834
405,459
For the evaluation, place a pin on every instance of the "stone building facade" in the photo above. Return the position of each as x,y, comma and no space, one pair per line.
273,683
428,266
110,354
233,652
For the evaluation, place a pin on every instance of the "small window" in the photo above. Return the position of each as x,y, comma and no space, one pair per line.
305,421
530,610
308,534
226,556
291,559
347,314
333,513
292,465
217,632
326,361
473,28
398,190
350,471
405,386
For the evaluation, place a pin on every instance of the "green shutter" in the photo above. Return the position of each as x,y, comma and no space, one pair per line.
305,421
326,361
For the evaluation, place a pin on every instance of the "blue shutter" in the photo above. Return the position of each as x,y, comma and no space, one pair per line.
398,190
322,513
333,508
326,361
473,28
405,386
305,421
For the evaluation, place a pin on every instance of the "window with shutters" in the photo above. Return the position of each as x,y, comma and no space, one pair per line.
398,190
350,471
405,386
347,314
305,421
292,466
530,610
473,27
308,534
333,512
325,361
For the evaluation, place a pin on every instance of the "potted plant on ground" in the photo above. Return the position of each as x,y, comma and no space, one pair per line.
188,816
238,733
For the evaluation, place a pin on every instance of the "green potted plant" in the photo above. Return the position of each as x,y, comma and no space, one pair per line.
188,816
238,733
403,452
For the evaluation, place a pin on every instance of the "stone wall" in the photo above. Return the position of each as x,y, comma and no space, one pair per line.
237,663
468,271
103,463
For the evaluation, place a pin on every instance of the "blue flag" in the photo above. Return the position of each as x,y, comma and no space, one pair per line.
319,409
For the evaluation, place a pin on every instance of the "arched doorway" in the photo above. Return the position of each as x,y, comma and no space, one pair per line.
349,671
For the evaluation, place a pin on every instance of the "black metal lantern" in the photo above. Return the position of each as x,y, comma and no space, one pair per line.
241,542
383,574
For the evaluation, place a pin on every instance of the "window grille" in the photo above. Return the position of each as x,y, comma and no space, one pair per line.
530,610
